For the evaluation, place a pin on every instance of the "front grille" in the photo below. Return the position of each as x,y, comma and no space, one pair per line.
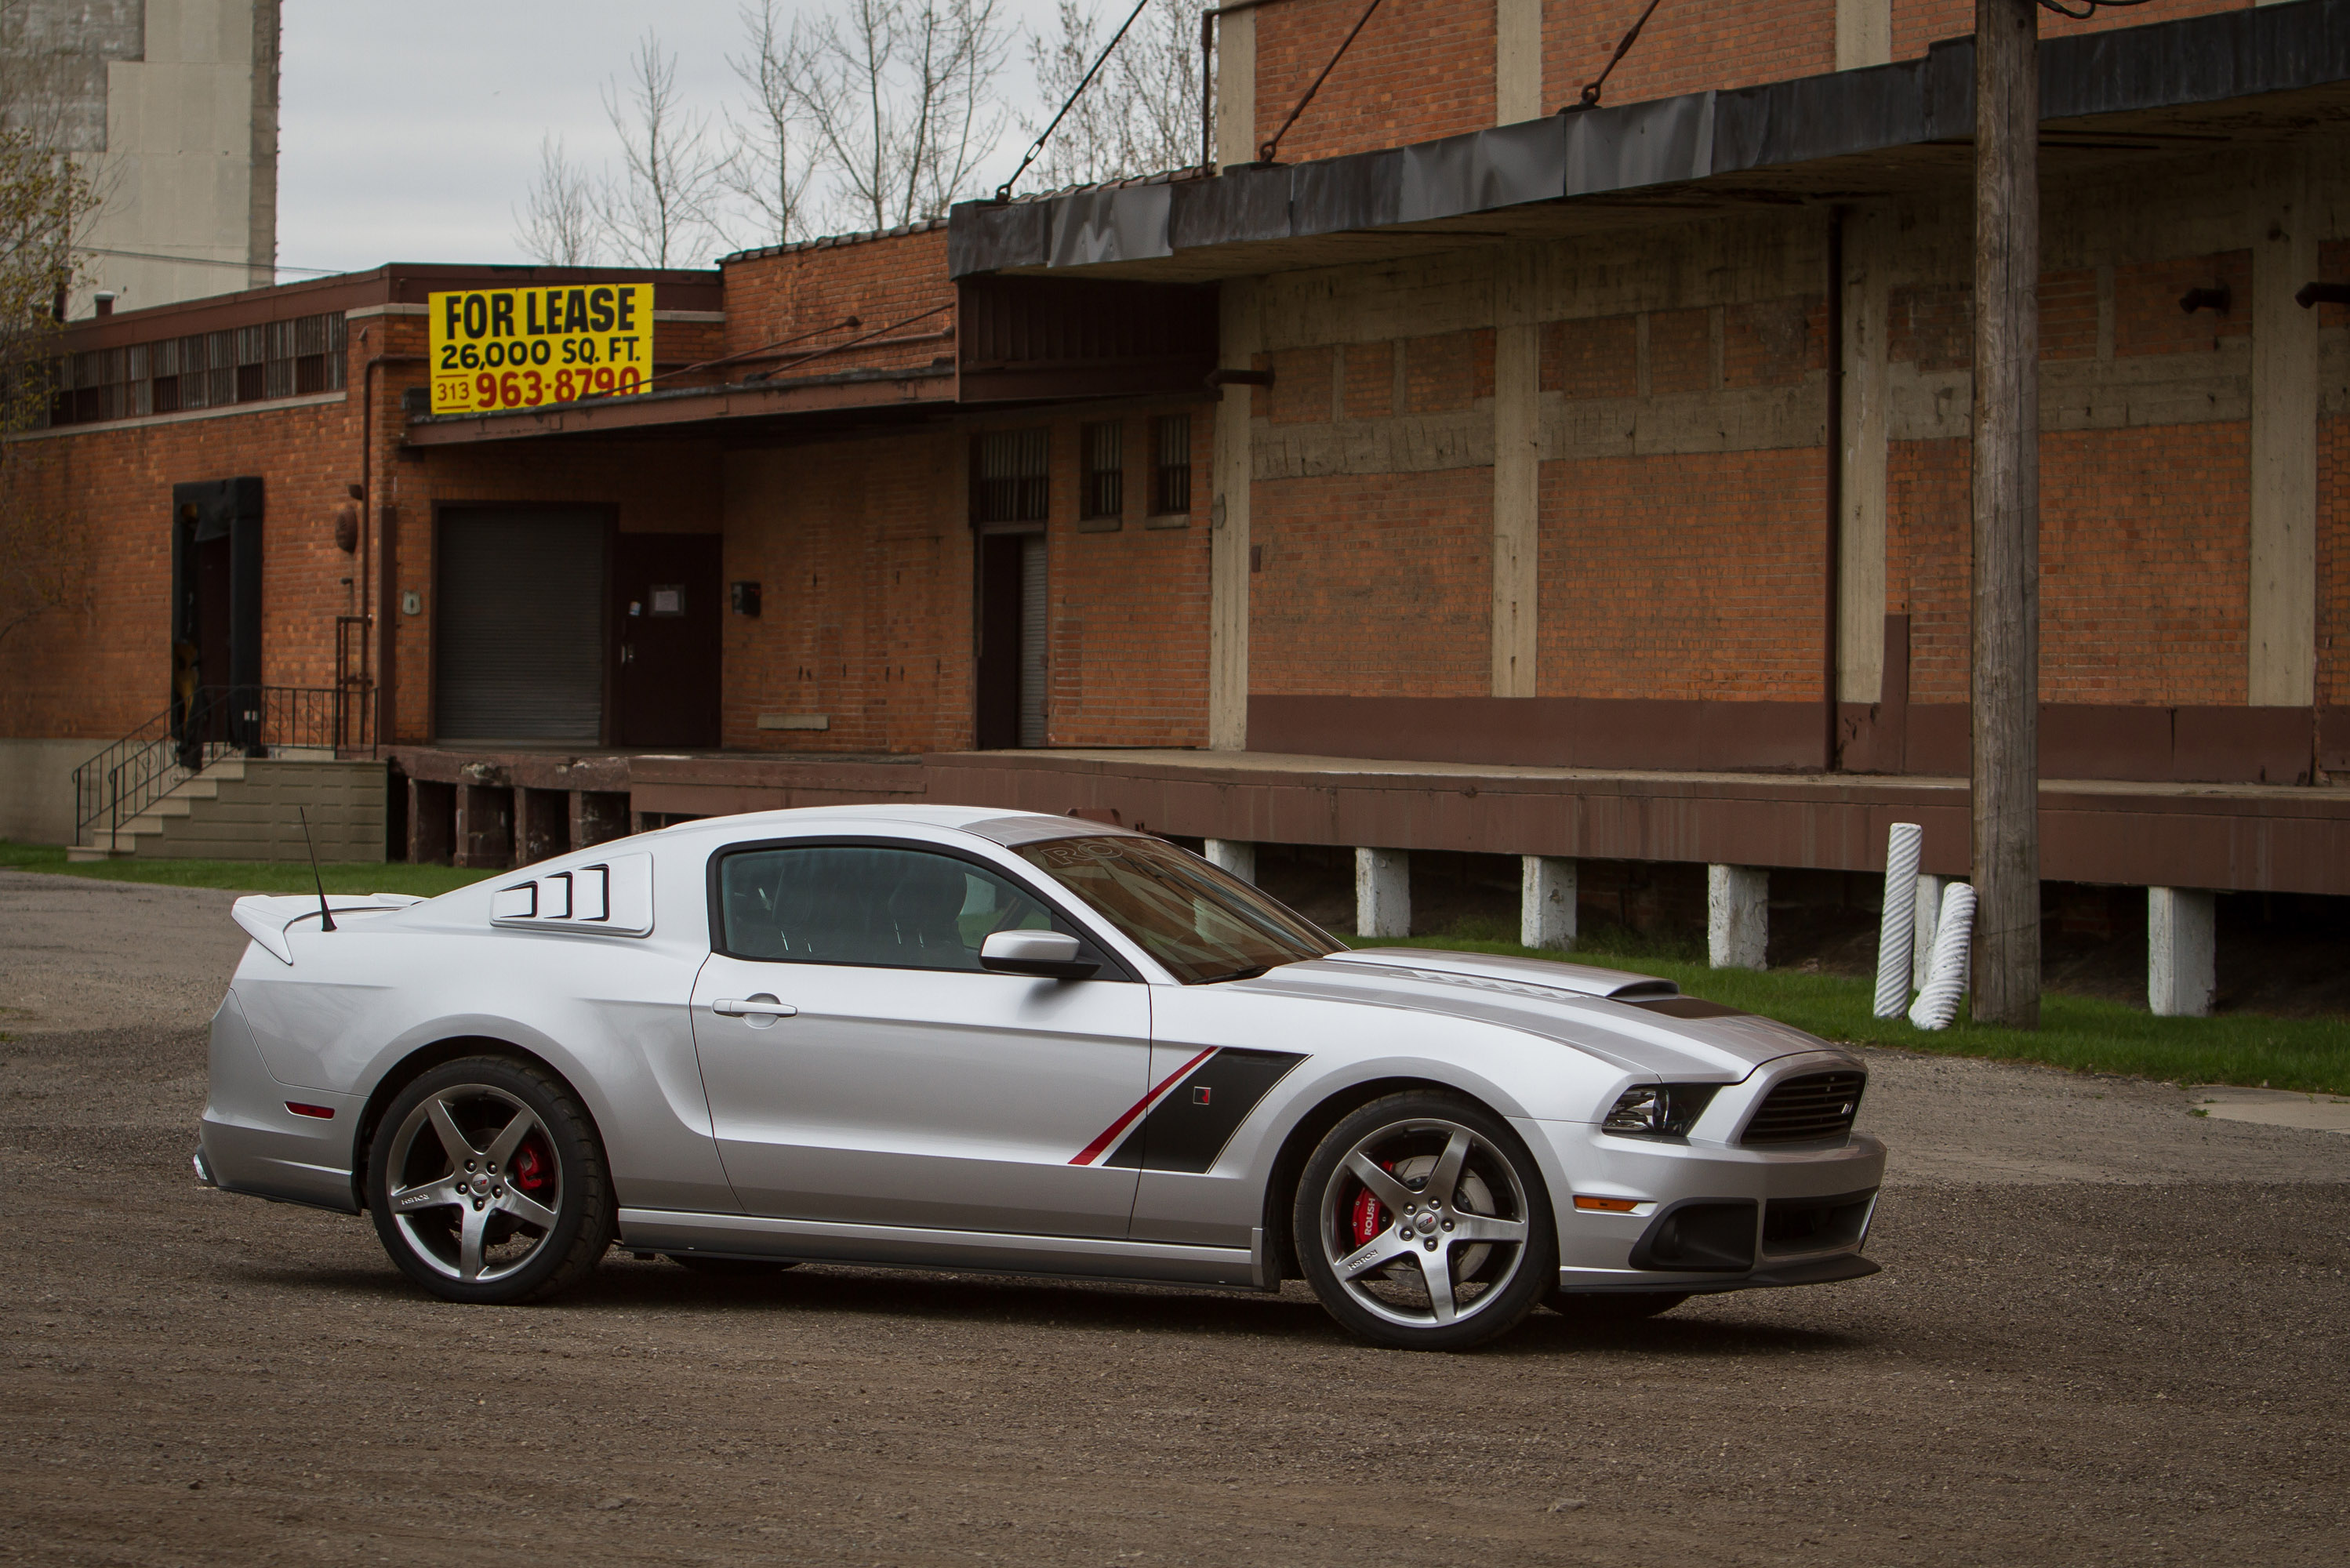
1807,1107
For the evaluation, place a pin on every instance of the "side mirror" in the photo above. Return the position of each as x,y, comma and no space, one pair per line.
1046,953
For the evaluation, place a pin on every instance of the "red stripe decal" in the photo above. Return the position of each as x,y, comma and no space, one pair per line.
1109,1134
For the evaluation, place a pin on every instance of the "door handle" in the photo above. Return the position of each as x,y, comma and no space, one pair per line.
755,1007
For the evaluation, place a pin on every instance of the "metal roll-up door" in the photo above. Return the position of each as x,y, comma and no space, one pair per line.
519,628
1032,640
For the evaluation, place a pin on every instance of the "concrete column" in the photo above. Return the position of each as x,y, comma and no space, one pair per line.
2282,642
1864,35
1517,61
1517,475
1860,532
485,825
2181,952
1236,88
1545,902
1737,916
1228,517
1382,893
1234,857
1928,920
597,815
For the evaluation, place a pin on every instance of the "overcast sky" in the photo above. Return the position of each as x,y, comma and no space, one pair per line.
410,132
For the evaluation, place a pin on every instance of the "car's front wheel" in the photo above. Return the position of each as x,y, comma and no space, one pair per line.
488,1183
1423,1223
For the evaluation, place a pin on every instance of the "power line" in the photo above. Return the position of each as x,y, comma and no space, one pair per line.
210,261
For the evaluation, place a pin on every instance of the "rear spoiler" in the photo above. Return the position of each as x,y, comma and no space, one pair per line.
267,917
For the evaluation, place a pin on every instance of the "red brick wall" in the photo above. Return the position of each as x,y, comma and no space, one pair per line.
812,289
2143,564
1685,48
1684,576
1373,584
2334,561
1420,69
1928,494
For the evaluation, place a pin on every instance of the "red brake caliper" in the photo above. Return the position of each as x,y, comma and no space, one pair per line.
1370,1214
530,1168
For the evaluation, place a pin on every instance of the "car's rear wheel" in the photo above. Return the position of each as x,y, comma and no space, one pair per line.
488,1183
1422,1223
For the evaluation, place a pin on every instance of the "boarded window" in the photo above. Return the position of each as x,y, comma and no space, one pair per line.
1170,464
1102,492
207,371
1011,477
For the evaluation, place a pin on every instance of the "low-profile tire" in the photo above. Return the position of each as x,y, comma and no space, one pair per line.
1613,1309
488,1183
1422,1223
734,1268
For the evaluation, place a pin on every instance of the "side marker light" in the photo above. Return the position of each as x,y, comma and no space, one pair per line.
324,1112
1608,1205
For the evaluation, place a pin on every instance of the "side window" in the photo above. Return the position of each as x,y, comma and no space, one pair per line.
860,904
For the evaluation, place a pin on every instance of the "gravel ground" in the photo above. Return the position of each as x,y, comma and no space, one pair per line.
2106,1331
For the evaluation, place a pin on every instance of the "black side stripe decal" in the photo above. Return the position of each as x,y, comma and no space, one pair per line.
1192,1122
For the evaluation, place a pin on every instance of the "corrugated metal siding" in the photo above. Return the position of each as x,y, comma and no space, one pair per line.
520,627
1032,640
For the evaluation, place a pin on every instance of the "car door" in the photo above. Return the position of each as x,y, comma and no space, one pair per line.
863,1068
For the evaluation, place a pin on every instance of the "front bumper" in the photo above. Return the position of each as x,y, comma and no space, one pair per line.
1710,1217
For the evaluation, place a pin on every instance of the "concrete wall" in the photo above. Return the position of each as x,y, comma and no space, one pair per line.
173,106
37,799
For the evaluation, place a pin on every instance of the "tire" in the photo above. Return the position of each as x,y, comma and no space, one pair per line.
1613,1309
1422,1223
734,1268
488,1183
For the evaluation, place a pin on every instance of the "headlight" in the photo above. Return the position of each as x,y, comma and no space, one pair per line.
1658,1110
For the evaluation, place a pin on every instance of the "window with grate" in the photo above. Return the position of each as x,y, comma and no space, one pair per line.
1102,492
206,370
1011,477
1170,464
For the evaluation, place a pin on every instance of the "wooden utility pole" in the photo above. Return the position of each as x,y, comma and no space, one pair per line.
2006,667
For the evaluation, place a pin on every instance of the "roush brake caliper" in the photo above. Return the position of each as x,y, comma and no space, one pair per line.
530,1167
1371,1215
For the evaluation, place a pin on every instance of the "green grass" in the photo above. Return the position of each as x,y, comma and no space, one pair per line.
2311,1054
243,876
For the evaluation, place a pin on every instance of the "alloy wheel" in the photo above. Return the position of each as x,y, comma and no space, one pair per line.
1424,1223
476,1187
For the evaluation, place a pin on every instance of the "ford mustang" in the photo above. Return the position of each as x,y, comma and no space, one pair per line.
953,1038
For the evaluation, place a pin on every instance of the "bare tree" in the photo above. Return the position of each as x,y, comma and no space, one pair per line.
772,165
1140,115
900,101
661,209
44,197
558,222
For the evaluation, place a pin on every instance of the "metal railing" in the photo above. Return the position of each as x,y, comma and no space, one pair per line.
113,787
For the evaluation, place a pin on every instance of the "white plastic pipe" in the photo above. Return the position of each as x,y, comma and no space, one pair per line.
1946,981
1897,925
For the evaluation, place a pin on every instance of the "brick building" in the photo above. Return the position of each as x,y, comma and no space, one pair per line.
1473,480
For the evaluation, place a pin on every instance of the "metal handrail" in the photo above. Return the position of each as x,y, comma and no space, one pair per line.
175,746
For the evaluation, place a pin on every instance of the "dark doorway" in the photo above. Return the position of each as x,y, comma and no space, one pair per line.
216,614
667,610
518,633
1011,665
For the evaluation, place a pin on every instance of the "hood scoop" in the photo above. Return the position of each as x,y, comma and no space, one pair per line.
1525,977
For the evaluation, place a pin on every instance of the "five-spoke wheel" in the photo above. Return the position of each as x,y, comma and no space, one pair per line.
1421,1222
488,1184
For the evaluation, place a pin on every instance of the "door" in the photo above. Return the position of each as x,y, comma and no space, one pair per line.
665,605
902,1083
1012,663
518,633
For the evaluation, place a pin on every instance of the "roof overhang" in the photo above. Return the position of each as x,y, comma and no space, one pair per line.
2138,93
773,409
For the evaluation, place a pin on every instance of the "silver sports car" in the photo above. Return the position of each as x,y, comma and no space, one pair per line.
951,1038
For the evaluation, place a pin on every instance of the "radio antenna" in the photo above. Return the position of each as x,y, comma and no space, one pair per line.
326,916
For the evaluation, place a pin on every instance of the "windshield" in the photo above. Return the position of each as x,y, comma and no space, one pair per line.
1202,923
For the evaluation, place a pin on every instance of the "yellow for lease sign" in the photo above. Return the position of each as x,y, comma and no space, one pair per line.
522,348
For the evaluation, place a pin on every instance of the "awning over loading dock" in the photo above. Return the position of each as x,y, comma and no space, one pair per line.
1844,136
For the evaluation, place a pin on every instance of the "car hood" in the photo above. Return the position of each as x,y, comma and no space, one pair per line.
1597,1011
